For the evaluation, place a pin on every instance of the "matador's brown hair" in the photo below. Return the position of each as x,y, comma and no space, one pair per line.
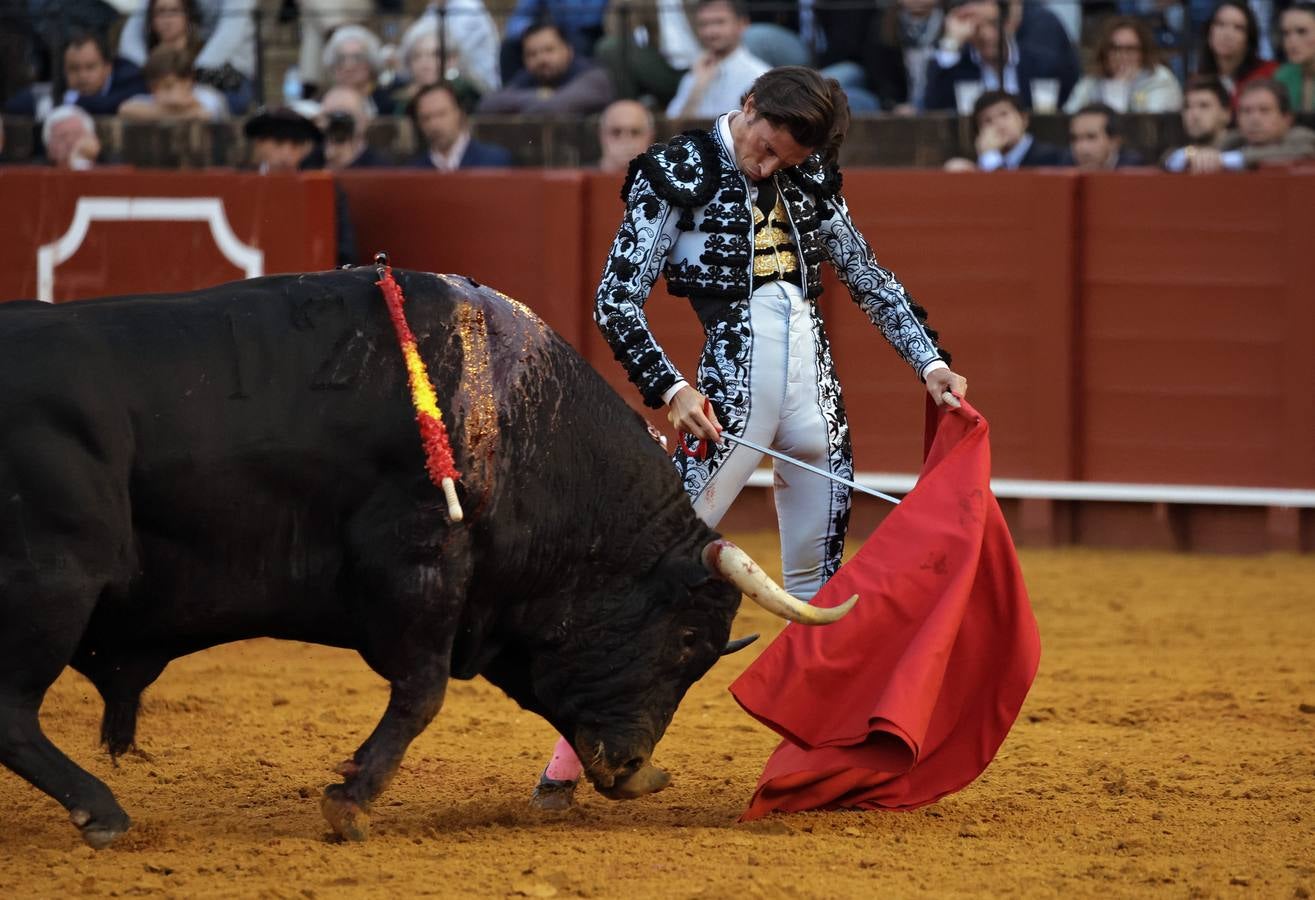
813,109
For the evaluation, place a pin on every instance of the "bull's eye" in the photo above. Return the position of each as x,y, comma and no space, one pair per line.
689,639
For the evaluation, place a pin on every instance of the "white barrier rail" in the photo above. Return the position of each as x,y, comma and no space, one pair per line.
1099,491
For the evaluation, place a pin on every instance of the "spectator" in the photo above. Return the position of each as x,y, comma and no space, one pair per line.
648,45
1003,141
1095,134
1231,48
443,132
280,140
174,93
51,22
319,20
226,30
1037,47
95,81
579,22
344,119
283,141
1127,77
1206,115
625,130
352,60
470,44
892,44
1297,25
725,69
554,80
1265,135
69,136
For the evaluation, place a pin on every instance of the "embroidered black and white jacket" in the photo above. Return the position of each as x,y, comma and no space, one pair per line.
689,216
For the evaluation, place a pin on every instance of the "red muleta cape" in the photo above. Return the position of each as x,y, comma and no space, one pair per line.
909,697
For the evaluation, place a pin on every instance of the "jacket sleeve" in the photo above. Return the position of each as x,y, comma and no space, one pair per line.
876,290
647,233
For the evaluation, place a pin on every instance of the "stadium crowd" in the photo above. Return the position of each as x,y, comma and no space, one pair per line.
1239,72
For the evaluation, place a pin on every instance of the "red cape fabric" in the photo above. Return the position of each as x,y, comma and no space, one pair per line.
909,697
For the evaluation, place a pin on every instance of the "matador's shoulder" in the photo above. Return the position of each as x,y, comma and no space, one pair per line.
819,178
684,171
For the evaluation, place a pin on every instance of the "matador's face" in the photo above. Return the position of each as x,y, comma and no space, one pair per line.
761,148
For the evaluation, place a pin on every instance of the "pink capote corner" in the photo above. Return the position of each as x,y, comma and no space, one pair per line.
909,697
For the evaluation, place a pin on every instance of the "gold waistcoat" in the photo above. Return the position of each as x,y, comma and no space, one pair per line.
774,253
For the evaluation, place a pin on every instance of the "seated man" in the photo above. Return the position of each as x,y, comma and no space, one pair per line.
174,91
1265,135
724,70
969,51
282,142
624,131
69,136
1095,135
444,134
554,80
95,80
1206,114
1003,141
344,118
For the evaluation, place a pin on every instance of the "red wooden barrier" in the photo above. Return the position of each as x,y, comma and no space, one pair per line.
1197,316
125,232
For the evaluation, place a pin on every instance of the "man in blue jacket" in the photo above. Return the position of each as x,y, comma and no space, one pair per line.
443,134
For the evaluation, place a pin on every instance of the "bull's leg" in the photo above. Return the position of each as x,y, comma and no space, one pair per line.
34,648
412,705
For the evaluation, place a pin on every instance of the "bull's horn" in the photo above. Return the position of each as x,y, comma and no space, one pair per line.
724,559
738,644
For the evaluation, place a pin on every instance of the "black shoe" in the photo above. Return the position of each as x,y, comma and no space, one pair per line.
552,794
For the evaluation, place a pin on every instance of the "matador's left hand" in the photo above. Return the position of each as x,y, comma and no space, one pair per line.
942,380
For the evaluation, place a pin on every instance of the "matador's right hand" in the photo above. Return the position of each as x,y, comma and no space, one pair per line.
689,412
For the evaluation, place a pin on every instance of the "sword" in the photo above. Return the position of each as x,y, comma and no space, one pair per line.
803,465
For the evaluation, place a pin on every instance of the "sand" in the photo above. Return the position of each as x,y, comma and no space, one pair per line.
1167,749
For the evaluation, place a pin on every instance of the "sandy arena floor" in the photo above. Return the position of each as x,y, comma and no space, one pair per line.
1167,749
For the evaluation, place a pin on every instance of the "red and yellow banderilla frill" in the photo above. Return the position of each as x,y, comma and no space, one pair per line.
433,434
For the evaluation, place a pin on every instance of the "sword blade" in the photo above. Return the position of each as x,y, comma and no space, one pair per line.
775,454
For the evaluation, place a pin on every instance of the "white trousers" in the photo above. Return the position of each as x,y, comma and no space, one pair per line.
784,414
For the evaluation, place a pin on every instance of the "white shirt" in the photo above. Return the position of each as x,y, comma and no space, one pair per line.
451,160
735,75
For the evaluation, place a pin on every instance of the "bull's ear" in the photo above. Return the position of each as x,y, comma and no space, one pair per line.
738,644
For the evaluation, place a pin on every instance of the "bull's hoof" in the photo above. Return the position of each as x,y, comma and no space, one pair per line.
346,817
648,780
99,834
553,795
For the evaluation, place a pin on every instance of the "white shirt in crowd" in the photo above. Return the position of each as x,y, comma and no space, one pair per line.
451,160
735,75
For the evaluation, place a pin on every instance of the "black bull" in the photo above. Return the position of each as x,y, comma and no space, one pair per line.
177,472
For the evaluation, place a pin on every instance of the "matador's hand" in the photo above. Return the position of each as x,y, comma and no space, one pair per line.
945,380
690,413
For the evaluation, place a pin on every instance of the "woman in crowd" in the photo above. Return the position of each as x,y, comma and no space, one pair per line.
220,33
1126,74
1297,26
1231,48
353,59
469,50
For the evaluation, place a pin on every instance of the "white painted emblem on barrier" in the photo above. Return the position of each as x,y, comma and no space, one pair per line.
251,260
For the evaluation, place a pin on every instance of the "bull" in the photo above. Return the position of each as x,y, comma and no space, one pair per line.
182,471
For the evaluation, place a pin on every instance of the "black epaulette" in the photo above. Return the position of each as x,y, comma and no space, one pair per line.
820,179
684,171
